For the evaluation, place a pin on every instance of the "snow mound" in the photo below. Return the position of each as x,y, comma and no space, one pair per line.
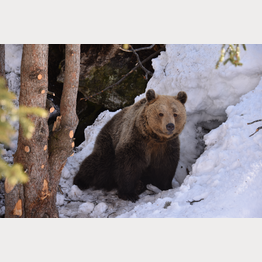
226,180
191,68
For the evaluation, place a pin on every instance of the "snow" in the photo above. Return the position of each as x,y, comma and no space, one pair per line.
13,56
219,171
87,207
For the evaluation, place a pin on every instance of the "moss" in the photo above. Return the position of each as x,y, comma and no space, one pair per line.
120,96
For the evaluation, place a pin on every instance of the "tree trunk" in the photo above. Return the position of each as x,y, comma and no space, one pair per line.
2,60
43,157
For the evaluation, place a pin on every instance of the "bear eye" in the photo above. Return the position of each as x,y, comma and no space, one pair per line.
160,114
175,115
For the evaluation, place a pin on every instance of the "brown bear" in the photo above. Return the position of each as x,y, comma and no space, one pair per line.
138,146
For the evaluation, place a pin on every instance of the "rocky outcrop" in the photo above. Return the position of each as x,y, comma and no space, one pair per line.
102,66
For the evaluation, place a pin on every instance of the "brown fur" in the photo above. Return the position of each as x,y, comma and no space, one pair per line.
138,146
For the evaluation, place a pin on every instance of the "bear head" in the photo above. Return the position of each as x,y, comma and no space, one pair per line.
166,115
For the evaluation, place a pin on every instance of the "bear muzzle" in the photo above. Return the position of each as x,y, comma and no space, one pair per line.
170,127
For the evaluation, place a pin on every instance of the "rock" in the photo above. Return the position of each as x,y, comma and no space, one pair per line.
104,65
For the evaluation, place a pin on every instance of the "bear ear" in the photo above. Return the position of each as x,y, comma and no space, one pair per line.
150,95
182,97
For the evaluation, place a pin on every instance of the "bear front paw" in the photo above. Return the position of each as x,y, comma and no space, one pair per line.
128,196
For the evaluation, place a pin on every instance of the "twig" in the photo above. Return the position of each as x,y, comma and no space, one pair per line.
192,202
71,200
256,131
257,128
138,49
60,189
50,93
254,121
139,62
125,76
108,216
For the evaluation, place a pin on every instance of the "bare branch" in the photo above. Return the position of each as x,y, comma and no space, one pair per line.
138,49
260,127
194,201
139,62
254,121
50,93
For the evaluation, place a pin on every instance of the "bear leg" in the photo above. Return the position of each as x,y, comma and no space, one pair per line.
162,168
96,169
86,173
128,169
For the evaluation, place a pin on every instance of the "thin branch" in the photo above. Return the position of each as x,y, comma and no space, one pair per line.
50,93
138,49
254,121
125,76
139,62
260,127
256,131
194,201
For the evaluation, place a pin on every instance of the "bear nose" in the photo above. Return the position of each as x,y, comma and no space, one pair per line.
170,127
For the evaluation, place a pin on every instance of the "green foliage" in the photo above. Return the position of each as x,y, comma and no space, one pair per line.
233,51
9,113
125,46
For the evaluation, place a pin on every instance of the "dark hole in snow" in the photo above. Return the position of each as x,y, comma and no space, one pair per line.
203,128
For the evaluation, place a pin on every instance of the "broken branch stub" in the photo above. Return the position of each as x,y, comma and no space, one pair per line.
17,211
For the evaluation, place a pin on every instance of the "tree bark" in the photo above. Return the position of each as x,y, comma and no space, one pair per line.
43,157
61,141
2,60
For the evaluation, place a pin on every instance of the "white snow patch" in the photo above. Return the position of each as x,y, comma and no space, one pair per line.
2,210
13,57
60,199
86,208
75,193
99,209
65,173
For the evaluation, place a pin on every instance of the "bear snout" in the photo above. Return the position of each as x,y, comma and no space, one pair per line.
170,127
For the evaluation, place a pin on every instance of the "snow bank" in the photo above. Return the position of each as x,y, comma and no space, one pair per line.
226,180
191,68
